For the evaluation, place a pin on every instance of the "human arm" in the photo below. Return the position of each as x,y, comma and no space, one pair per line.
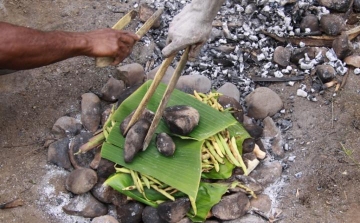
25,48
192,27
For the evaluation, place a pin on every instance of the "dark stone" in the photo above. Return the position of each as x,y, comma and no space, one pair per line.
165,144
342,46
90,111
255,131
236,109
299,53
174,211
58,153
311,22
112,90
337,5
325,73
248,145
66,126
181,119
82,159
85,205
332,24
135,138
105,168
282,56
150,215
231,207
130,212
107,194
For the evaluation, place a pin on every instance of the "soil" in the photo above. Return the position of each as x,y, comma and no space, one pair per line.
320,184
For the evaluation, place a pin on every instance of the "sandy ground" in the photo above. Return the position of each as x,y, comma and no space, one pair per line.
32,100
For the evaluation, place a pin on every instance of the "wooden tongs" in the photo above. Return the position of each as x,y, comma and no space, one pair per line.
105,61
169,89
124,21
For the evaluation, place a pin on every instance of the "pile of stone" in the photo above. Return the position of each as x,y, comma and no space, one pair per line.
87,172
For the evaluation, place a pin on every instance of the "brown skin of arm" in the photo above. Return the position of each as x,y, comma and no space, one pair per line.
26,48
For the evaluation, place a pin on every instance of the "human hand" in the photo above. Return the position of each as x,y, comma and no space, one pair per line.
190,27
117,44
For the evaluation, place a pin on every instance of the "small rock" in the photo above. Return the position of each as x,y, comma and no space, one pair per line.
231,207
248,145
66,126
185,220
338,5
104,219
299,53
105,115
145,12
83,159
197,82
127,92
230,90
112,90
165,144
249,218
353,60
81,180
107,194
332,24
342,46
143,50
250,183
181,119
168,74
174,211
262,203
90,111
130,212
105,168
311,22
282,56
255,131
236,108
267,173
301,93
131,74
326,73
263,102
150,215
134,139
273,134
147,115
58,153
85,205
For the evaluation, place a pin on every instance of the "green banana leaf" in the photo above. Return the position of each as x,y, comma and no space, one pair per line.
225,171
119,181
209,194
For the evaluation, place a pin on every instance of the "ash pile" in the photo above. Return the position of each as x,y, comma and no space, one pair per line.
252,43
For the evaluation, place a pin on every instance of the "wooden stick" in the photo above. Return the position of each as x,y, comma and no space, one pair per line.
169,89
158,77
124,21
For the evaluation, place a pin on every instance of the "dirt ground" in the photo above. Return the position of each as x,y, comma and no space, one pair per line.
31,101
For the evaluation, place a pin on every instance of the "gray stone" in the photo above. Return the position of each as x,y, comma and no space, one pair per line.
105,168
112,90
230,89
174,211
185,220
263,102
83,159
66,126
107,194
299,53
311,22
131,74
237,110
181,119
104,219
85,205
231,207
90,111
58,153
273,136
165,144
267,172
247,219
150,215
143,51
168,74
332,24
325,72
130,212
249,182
189,83
342,46
81,180
282,56
262,203
337,5
145,12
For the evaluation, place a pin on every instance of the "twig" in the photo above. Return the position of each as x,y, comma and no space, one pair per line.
12,204
277,79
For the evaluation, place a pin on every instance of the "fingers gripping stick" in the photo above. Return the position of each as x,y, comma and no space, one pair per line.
124,21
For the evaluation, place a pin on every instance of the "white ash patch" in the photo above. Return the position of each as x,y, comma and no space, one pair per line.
52,201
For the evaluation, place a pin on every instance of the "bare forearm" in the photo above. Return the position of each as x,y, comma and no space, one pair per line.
24,48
